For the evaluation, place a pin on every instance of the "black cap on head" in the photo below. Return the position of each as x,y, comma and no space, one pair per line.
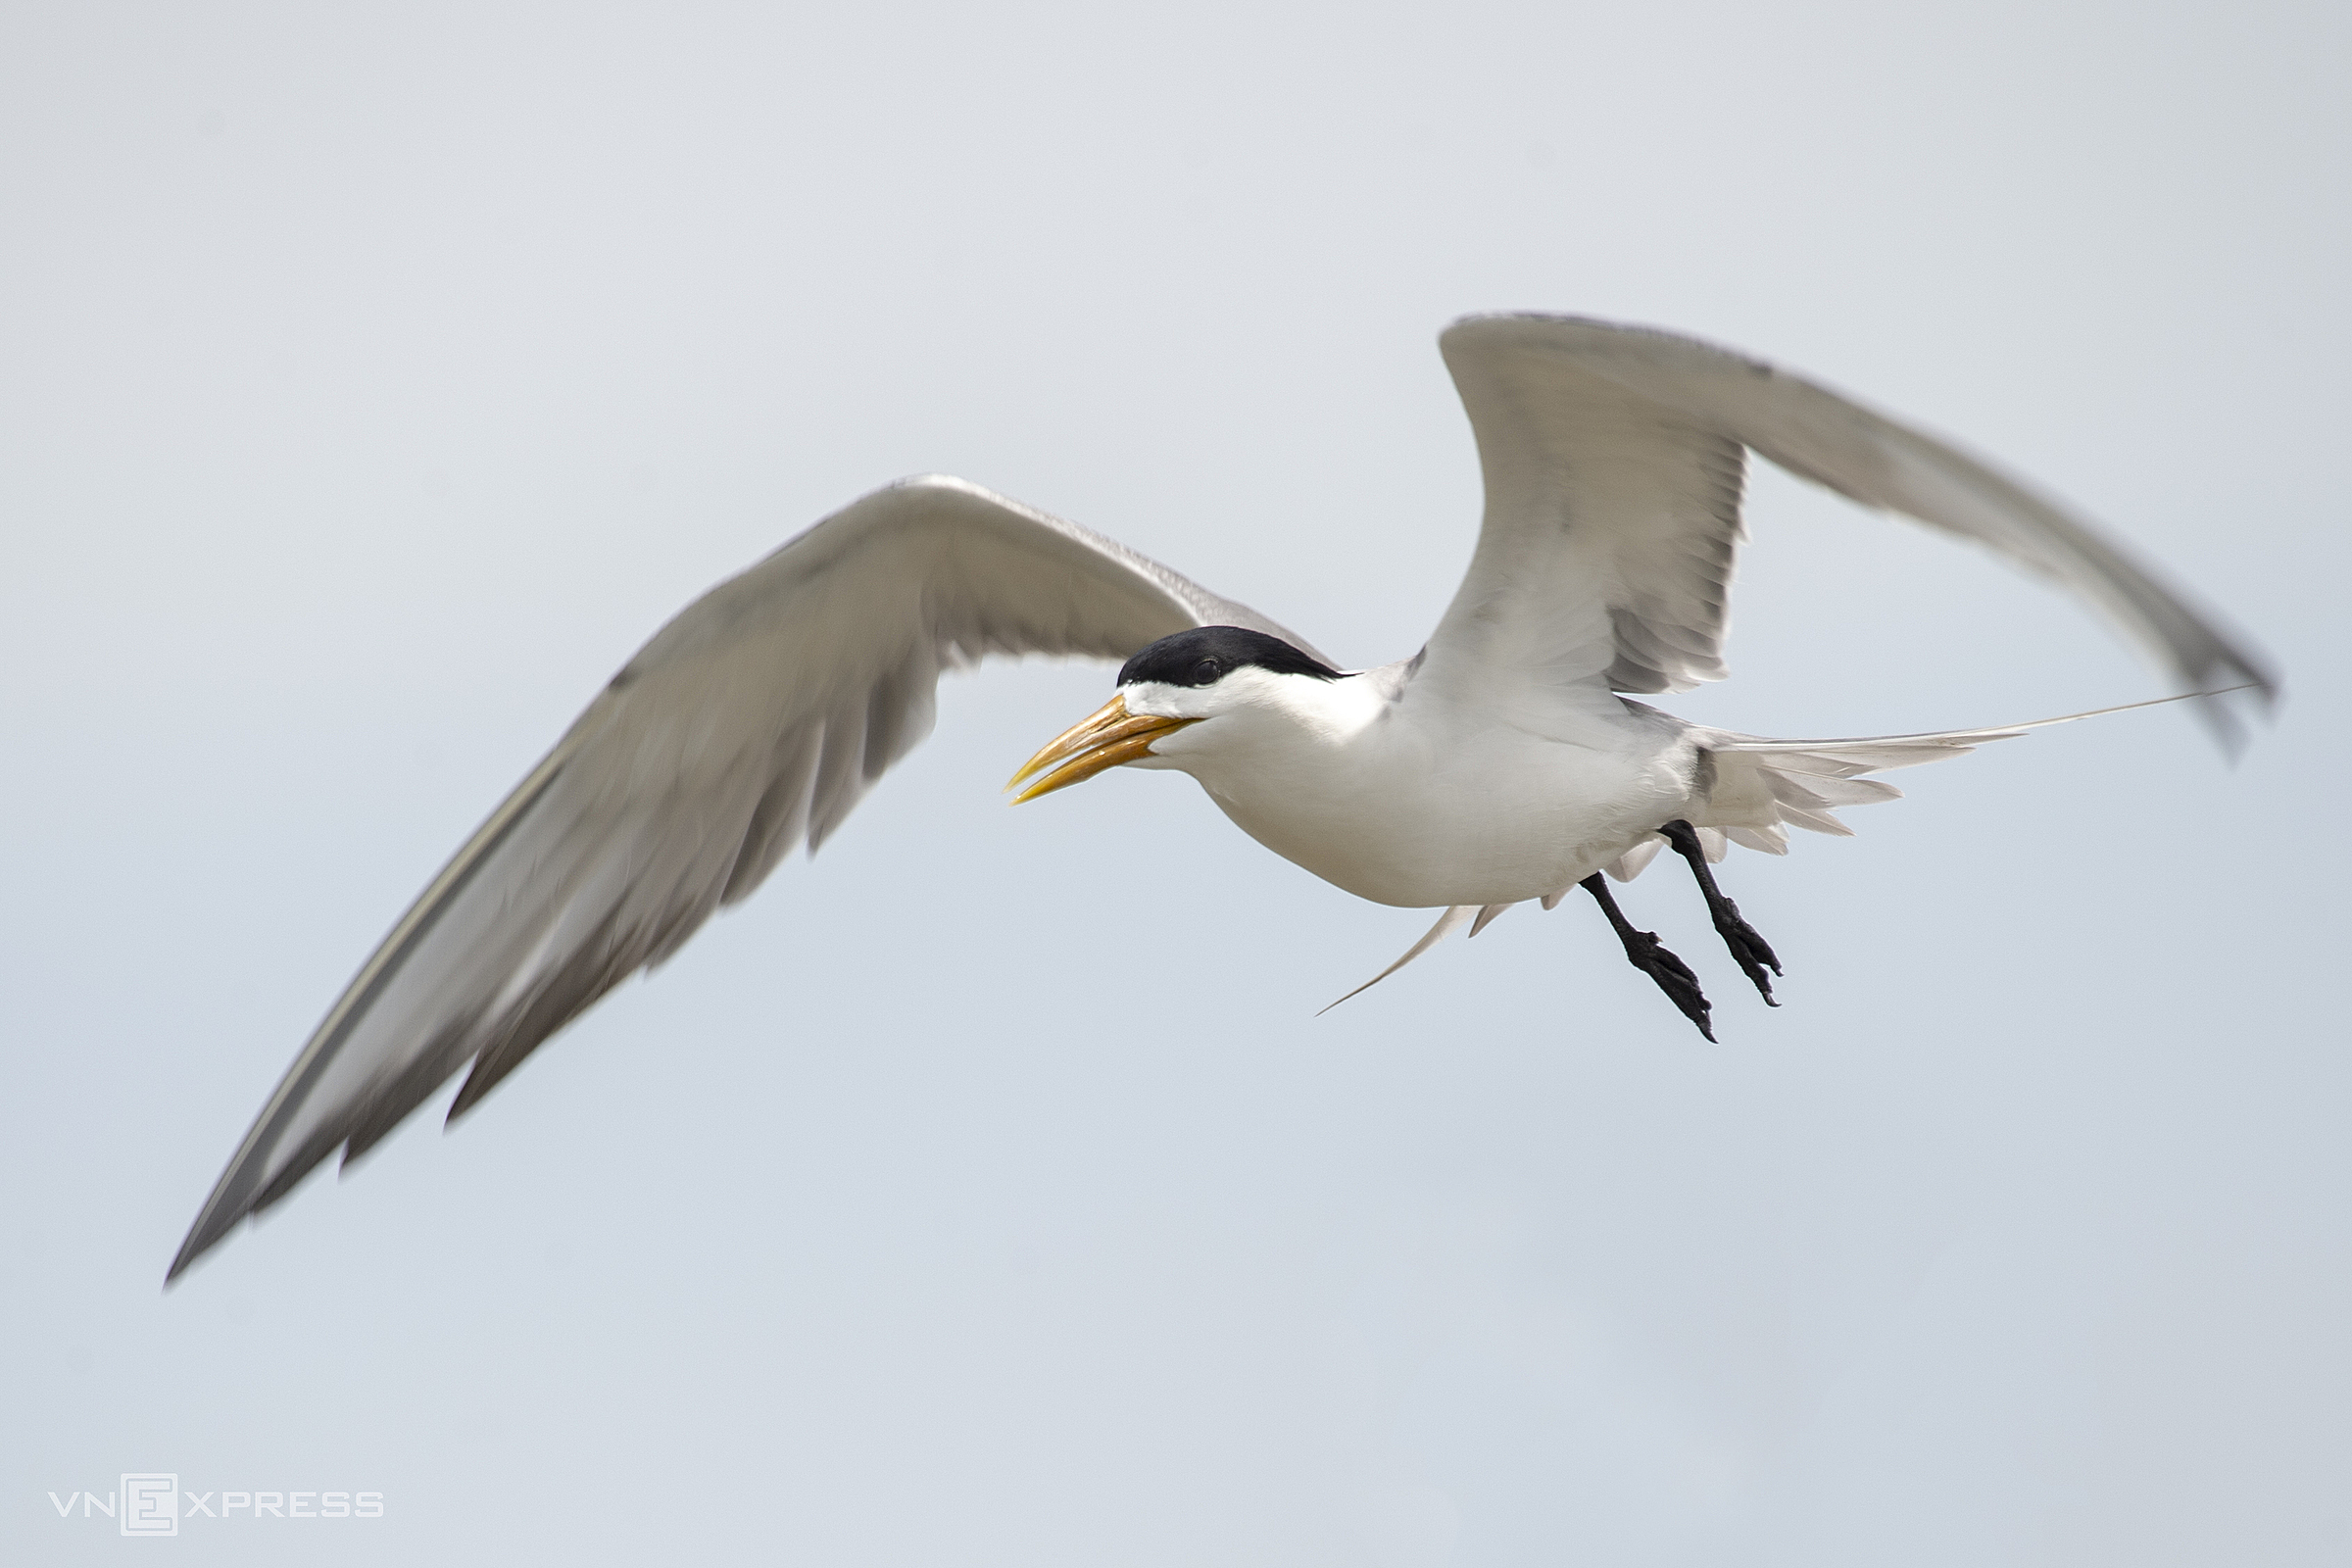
1205,655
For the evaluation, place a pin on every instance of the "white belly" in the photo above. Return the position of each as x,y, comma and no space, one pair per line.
1412,814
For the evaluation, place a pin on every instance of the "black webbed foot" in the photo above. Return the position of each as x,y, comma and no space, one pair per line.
1748,944
1649,956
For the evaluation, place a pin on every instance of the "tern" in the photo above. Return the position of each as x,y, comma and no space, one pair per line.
1502,762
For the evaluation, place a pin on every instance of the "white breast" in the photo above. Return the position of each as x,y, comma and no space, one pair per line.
1427,803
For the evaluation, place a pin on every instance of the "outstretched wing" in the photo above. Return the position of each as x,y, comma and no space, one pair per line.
753,721
1613,460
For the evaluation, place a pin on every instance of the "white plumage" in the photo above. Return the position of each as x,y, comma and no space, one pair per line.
1497,765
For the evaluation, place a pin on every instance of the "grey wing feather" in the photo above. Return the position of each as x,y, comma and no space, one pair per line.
755,720
1612,463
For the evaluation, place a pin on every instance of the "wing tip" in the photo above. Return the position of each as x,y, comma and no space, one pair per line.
189,1252
2230,712
210,1231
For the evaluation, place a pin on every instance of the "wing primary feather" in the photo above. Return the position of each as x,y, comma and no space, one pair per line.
777,821
392,1104
840,775
1611,457
753,721
227,1206
597,965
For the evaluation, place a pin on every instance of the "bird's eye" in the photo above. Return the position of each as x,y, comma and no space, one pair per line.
1206,672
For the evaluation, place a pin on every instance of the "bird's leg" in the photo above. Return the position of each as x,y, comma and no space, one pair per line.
1643,951
1746,943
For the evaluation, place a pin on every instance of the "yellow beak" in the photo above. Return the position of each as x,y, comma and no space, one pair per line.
1103,738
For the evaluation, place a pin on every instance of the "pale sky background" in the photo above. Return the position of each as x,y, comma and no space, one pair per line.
376,377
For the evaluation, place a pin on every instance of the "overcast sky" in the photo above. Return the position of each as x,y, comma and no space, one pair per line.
375,379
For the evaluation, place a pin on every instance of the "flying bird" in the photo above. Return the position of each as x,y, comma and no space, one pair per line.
1501,764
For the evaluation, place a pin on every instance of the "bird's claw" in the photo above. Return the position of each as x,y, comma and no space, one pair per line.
1748,947
1673,977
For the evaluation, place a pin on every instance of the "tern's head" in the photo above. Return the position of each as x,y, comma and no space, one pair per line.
1222,685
